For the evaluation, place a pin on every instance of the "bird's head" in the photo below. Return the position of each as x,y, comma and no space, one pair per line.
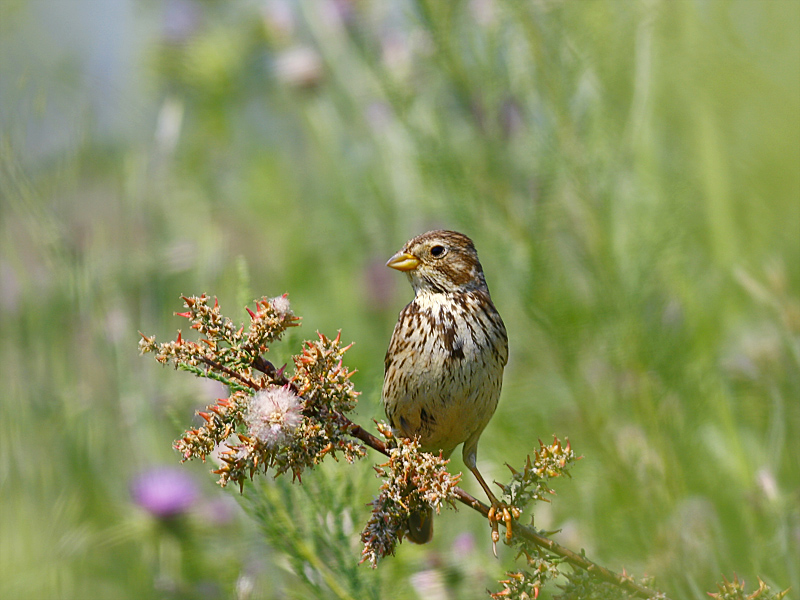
440,261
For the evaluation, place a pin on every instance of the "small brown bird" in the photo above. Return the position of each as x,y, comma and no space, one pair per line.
444,365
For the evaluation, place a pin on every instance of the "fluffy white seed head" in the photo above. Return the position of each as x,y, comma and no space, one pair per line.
273,415
280,304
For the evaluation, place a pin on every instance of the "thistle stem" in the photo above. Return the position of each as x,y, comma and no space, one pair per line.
230,372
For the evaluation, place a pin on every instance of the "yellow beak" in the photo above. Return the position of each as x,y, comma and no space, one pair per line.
402,261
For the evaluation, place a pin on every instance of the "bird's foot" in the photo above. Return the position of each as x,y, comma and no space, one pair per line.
500,512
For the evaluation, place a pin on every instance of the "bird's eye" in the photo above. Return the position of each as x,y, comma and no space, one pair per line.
437,251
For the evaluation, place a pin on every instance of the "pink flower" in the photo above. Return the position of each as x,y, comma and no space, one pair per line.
164,492
273,415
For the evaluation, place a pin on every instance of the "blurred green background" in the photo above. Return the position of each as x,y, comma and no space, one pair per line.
629,171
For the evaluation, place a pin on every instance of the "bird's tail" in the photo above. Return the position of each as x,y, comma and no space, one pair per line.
420,526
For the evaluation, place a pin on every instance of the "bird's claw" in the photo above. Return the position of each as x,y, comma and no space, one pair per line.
500,512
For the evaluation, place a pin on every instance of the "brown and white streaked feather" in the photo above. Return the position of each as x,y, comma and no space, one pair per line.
444,365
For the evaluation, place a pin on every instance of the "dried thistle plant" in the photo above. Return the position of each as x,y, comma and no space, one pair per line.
526,584
735,590
412,480
227,353
530,484
269,420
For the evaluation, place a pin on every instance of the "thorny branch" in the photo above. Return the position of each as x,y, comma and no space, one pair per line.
526,532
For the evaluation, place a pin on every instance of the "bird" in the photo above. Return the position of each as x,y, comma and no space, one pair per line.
443,369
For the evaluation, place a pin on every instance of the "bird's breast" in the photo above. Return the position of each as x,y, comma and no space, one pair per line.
444,368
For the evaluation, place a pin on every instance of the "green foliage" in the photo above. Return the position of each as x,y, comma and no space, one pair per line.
628,171
581,586
314,527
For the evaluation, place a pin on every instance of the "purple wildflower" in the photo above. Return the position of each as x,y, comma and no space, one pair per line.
164,492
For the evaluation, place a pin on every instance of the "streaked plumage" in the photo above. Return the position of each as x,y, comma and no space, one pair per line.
444,365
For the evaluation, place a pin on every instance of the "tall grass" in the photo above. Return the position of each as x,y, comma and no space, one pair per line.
628,171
